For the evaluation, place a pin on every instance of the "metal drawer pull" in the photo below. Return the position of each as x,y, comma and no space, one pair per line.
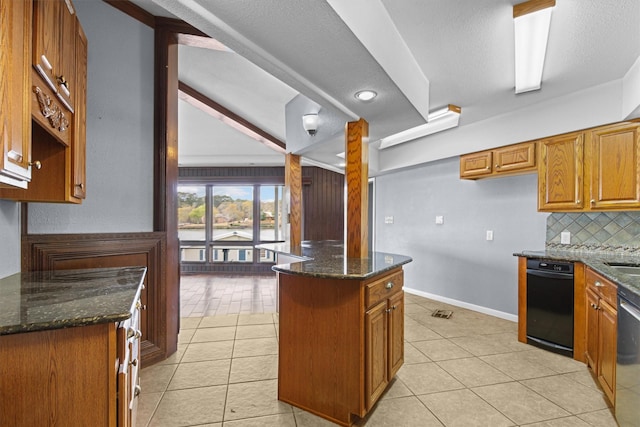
46,62
389,285
134,362
598,284
131,333
138,334
137,390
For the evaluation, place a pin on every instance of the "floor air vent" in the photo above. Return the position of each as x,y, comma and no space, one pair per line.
445,314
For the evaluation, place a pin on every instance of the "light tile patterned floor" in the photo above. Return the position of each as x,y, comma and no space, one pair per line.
468,370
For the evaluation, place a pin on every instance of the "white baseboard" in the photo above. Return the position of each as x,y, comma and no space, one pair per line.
478,308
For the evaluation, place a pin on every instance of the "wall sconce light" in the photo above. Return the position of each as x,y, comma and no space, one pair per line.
531,20
310,123
439,120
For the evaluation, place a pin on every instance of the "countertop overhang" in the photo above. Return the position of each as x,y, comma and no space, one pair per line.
597,261
42,300
327,259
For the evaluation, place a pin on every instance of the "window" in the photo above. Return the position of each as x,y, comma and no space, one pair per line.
217,223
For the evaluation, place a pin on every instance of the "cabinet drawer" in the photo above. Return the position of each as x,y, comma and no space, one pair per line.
607,290
383,288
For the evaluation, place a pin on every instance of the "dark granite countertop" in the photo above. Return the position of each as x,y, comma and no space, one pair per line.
597,261
42,300
326,259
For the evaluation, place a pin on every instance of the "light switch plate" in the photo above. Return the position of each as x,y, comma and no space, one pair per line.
388,220
489,234
565,238
439,220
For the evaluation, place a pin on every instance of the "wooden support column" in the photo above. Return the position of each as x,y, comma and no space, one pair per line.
357,175
293,187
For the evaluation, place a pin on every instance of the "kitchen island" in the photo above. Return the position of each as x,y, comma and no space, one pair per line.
69,347
341,328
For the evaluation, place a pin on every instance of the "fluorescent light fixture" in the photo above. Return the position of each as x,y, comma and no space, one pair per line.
531,21
439,120
365,95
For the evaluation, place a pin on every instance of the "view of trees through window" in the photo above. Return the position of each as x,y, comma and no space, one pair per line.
225,214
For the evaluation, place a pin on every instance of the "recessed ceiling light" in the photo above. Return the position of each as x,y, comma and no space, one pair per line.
365,95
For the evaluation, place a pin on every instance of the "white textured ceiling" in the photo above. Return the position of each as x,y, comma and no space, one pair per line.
464,47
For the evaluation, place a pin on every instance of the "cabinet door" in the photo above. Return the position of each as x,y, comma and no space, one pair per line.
615,167
515,158
396,333
376,350
476,165
46,39
560,175
15,99
78,148
607,349
592,330
65,78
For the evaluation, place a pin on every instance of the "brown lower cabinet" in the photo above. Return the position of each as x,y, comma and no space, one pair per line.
341,341
92,374
602,318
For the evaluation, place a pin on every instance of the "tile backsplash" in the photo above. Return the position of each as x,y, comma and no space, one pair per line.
602,231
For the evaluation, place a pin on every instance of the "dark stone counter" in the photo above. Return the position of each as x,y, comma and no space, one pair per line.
326,259
597,261
42,300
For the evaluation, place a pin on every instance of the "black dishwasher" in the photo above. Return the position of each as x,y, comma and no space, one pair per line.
550,305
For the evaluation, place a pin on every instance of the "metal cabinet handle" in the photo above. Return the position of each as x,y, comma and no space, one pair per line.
37,164
137,390
138,334
578,202
598,284
389,285
134,362
131,333
593,202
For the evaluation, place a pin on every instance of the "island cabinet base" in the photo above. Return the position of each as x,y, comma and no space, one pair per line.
340,342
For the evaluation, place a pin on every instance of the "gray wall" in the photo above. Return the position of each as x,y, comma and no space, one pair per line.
119,130
454,260
9,238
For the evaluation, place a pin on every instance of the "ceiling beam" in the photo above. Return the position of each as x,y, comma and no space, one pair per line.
205,42
212,108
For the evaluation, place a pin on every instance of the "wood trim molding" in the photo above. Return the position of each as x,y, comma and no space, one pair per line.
228,117
522,299
293,185
67,251
134,11
531,6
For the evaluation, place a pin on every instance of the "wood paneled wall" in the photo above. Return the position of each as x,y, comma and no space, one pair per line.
70,251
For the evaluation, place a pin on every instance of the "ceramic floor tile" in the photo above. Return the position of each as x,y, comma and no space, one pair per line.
396,389
516,366
156,378
481,345
255,319
426,378
404,411
224,333
568,394
189,322
218,321
213,350
254,399
413,355
184,337
190,407
256,368
174,358
519,403
255,331
441,350
280,420
413,331
307,419
561,422
200,374
473,372
146,406
601,418
255,347
556,362
463,408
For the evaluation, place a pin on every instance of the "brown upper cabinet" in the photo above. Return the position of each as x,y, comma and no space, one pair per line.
53,87
510,160
593,170
15,100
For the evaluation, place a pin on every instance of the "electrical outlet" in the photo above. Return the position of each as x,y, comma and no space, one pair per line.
439,220
489,234
388,220
565,238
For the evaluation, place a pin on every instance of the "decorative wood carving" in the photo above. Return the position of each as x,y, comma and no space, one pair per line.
51,110
68,251
357,176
